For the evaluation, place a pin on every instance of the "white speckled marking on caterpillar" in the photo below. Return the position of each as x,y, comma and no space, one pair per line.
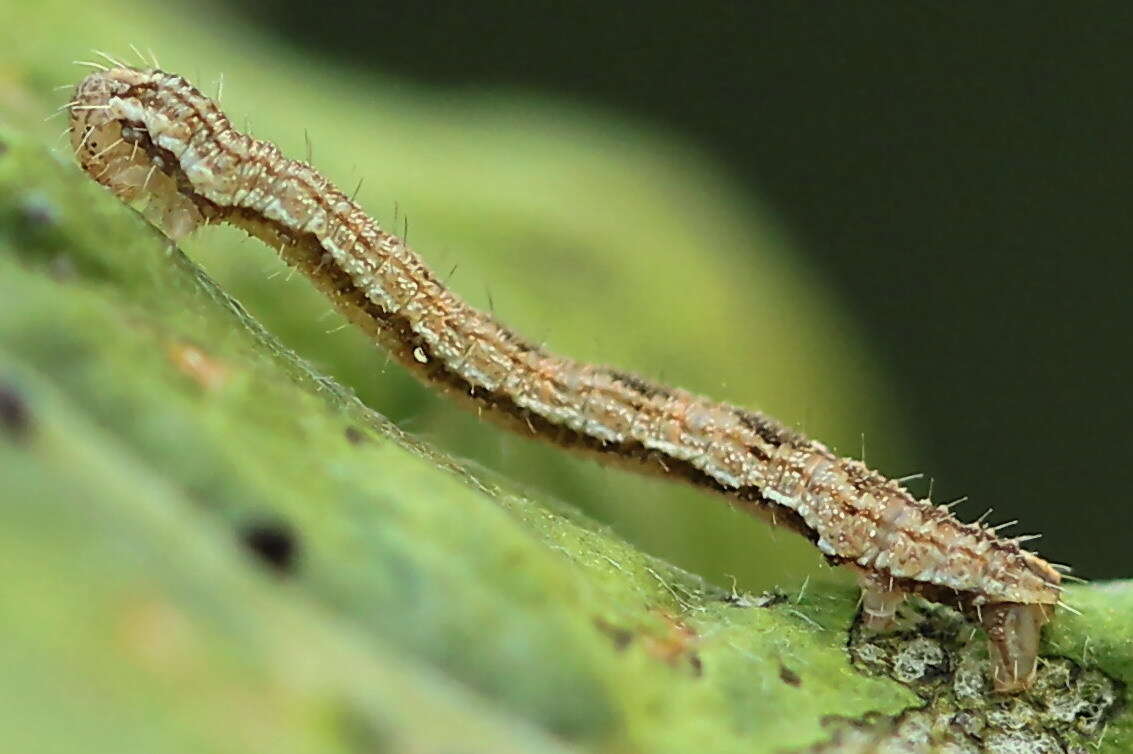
150,135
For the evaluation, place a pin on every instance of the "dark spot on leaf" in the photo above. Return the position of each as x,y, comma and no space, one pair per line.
14,415
789,677
696,663
3,148
354,436
620,636
274,544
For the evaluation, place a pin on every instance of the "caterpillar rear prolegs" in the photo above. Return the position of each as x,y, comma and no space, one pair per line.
880,600
1013,633
1014,630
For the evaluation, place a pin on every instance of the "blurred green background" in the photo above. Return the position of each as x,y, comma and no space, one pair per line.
896,221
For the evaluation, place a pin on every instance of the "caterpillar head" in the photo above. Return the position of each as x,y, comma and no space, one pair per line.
112,135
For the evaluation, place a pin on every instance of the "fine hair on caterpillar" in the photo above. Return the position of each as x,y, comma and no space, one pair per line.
151,136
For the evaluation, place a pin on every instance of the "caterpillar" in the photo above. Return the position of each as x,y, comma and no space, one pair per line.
150,135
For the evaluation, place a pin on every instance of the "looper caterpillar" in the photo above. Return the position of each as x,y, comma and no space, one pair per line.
150,135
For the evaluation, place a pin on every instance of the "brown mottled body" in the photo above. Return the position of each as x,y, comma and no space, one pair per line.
149,134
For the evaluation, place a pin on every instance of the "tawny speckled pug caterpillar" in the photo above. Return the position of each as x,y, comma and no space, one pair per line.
150,135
